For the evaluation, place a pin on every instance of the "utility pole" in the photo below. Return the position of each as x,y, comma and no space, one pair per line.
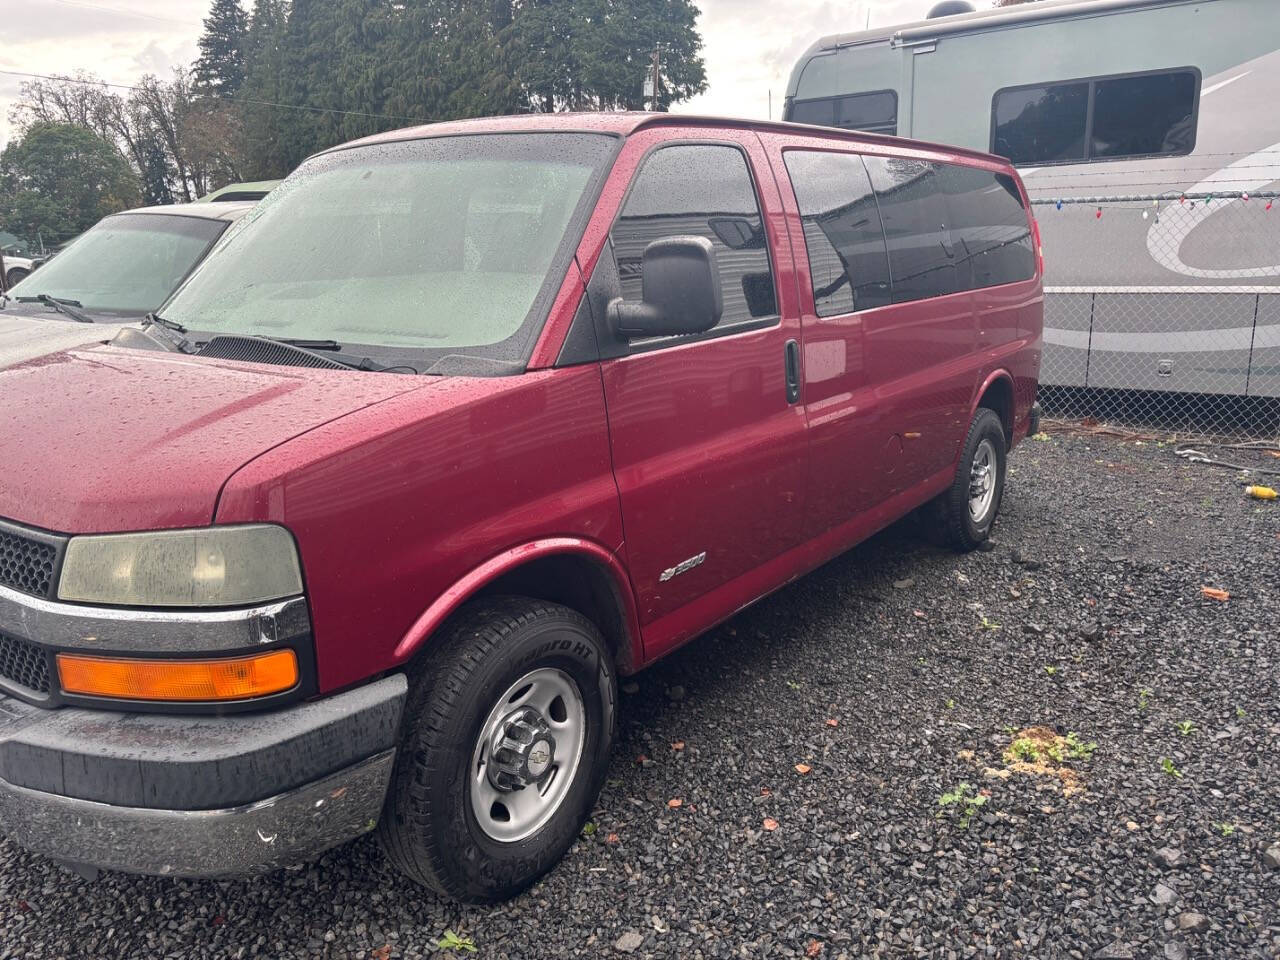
655,77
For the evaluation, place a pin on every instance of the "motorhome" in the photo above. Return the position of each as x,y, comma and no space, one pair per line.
1167,103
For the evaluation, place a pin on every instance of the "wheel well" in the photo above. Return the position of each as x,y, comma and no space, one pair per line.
999,397
578,583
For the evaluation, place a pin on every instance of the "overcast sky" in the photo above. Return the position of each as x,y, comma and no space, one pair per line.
750,44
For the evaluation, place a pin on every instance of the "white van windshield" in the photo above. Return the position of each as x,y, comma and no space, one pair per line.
126,264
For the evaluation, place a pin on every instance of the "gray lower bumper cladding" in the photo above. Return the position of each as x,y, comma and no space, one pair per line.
197,796
282,830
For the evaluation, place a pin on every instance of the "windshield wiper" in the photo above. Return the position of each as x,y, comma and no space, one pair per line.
158,320
306,344
62,305
367,364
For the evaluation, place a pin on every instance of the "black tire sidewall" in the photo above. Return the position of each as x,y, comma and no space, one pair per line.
478,867
986,426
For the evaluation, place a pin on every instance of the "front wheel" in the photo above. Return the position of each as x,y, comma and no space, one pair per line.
968,509
508,731
15,276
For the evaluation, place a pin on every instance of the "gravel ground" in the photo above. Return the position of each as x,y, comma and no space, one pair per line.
893,676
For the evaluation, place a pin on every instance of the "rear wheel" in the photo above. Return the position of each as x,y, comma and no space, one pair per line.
968,509
507,739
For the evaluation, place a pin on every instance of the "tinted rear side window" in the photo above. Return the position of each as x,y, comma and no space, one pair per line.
989,232
848,262
913,208
704,191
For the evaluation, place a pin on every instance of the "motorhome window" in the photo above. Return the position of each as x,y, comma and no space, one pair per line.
989,231
1137,116
848,262
875,112
1042,124
1105,118
913,208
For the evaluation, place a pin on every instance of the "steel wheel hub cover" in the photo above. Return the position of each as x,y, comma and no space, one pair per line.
522,751
982,481
527,754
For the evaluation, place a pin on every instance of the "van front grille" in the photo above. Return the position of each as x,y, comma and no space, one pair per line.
24,663
26,563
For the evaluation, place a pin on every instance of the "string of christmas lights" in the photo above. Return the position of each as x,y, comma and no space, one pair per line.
1148,203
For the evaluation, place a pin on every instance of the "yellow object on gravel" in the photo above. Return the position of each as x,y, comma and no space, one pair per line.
1261,493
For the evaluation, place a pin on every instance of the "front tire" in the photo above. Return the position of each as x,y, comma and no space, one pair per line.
508,730
14,276
968,509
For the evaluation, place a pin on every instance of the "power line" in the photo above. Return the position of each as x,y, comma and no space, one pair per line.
1175,192
214,96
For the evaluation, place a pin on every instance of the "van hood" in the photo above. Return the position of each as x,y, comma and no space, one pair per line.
29,333
108,439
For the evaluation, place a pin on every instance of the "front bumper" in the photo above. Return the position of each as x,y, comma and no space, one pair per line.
197,796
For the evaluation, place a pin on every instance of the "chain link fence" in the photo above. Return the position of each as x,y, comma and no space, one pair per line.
1163,312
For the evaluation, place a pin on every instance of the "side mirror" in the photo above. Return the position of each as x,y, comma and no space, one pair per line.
680,291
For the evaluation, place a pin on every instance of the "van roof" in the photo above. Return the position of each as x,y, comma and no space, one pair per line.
626,123
979,21
232,210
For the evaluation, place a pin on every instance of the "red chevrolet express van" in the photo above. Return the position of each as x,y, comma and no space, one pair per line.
458,425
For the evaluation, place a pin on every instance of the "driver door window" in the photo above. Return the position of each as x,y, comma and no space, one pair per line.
704,191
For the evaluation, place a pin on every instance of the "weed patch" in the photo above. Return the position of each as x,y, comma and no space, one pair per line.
966,800
1041,752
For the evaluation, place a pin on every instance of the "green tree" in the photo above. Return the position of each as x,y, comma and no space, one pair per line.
596,54
155,173
341,69
219,71
330,77
447,59
60,179
265,156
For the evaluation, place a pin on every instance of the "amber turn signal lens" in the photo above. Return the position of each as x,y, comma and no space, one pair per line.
236,678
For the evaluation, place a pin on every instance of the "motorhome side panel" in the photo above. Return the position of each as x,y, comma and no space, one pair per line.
955,84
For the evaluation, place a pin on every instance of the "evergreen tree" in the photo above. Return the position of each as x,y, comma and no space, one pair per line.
155,173
446,59
596,54
220,70
347,68
265,154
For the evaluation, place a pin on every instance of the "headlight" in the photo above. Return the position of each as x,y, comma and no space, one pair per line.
211,567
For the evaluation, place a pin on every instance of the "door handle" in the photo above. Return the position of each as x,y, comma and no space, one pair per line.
792,352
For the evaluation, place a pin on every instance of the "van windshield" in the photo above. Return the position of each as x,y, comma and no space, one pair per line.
127,264
448,245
